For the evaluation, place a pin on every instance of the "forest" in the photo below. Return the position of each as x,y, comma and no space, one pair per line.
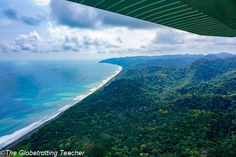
163,106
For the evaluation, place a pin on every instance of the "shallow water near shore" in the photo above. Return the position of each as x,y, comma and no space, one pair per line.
33,92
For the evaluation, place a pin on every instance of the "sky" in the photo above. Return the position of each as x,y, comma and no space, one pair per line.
58,29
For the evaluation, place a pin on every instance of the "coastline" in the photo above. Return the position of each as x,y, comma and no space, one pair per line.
12,139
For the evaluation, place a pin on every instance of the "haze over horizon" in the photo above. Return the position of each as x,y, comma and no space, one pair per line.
58,29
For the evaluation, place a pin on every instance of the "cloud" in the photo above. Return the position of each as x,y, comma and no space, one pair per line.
118,41
63,38
59,39
76,15
41,2
227,41
172,41
8,46
169,37
68,13
12,14
85,42
24,42
31,20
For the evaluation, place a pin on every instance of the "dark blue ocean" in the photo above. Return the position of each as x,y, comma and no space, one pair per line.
33,90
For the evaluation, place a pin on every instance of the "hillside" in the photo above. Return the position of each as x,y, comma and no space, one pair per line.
157,106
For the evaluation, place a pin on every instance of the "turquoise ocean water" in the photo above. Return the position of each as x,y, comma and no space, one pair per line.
32,90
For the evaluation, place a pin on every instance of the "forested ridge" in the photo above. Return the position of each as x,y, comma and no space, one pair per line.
167,106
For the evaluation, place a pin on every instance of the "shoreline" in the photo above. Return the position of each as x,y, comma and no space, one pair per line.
17,136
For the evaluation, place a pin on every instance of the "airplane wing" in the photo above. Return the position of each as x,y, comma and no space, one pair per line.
204,17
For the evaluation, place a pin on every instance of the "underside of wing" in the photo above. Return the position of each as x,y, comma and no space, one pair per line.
204,17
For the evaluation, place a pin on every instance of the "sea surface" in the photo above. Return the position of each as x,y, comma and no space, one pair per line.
34,91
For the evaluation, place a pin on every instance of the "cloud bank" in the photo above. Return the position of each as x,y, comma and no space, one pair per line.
72,28
12,14
76,15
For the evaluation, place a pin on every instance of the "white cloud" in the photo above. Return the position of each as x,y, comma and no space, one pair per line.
41,2
115,41
24,42
105,34
169,37
63,38
31,37
171,41
32,41
8,46
76,15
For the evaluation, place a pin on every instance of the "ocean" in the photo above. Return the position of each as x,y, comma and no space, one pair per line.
33,92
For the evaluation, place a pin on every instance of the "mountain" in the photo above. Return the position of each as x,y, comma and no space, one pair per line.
157,106
222,55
